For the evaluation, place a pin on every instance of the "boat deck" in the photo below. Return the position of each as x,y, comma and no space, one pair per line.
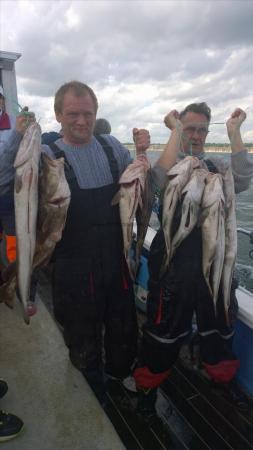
57,406
191,414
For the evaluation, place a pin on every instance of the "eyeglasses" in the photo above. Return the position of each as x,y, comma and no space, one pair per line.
201,131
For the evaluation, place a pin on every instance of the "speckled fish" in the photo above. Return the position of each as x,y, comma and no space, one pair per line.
192,196
132,184
178,177
218,262
143,215
54,201
230,238
26,207
212,228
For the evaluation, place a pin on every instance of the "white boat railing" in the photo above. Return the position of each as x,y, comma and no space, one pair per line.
250,234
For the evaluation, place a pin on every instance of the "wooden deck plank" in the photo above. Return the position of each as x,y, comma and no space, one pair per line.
194,418
241,421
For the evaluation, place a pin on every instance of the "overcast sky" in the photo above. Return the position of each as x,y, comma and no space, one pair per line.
142,58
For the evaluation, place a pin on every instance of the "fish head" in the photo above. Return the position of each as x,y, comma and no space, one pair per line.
181,172
30,141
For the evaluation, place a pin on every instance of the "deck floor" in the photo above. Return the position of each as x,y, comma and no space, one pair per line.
53,399
190,414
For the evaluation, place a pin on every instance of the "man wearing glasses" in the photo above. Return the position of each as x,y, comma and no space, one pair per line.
181,292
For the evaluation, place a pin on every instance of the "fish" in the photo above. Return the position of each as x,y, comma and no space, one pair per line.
143,215
230,238
212,230
192,195
129,196
54,201
218,262
26,167
178,176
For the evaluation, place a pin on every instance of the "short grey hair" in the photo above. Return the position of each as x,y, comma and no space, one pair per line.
198,108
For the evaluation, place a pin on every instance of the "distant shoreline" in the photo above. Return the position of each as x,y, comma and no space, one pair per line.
208,148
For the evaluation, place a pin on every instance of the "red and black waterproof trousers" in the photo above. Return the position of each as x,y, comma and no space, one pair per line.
172,302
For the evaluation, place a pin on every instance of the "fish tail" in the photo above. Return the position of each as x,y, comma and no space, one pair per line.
227,316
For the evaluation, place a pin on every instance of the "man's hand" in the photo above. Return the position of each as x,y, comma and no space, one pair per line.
23,120
141,138
234,122
172,121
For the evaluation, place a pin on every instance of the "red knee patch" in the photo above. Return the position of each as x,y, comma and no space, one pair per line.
144,378
224,371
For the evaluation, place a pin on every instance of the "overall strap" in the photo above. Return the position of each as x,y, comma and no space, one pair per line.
111,158
58,153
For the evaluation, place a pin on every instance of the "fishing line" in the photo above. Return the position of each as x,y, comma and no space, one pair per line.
20,110
179,137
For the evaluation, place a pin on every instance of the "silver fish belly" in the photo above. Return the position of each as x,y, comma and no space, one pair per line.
26,207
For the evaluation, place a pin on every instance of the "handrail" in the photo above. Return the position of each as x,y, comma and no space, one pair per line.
247,232
250,234
243,231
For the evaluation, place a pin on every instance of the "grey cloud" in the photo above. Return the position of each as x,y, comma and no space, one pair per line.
188,50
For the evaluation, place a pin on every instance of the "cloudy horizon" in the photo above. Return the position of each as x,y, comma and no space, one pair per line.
142,58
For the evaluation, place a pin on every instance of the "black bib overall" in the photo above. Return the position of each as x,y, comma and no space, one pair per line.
92,290
172,301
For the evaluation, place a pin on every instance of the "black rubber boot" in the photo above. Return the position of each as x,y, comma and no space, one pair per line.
146,405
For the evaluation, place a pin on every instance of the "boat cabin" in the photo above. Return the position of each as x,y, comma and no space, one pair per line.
8,79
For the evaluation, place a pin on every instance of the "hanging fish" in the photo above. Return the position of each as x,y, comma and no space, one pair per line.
192,196
143,215
26,208
230,238
54,201
178,177
212,229
132,185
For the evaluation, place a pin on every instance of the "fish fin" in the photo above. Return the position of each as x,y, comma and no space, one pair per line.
47,226
227,317
18,183
116,198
